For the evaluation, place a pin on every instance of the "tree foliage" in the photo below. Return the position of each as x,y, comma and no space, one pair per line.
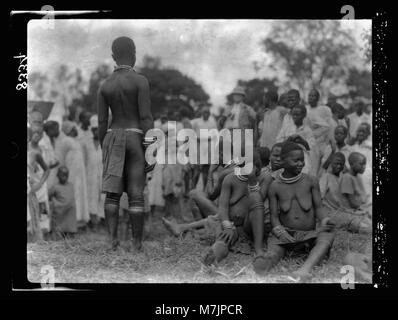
308,52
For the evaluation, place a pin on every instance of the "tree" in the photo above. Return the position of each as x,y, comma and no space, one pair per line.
89,99
309,52
170,89
255,89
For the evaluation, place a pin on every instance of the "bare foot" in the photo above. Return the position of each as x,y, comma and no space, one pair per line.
172,227
261,264
217,252
136,245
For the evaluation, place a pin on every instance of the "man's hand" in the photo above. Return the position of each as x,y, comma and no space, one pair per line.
227,235
327,224
281,233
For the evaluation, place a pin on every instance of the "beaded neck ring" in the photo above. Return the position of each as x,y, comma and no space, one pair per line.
123,67
290,180
242,178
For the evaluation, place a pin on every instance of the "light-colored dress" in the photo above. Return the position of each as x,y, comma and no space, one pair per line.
271,125
91,164
69,152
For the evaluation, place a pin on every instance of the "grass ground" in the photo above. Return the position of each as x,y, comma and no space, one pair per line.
166,259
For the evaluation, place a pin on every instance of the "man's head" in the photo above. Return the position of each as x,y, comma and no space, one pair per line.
292,157
293,98
299,112
338,110
52,129
36,118
283,100
338,163
36,133
363,131
84,118
69,128
357,162
238,94
359,107
313,97
62,174
340,134
332,100
275,157
270,98
123,51
205,113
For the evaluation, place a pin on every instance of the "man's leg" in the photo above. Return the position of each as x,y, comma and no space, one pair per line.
134,169
323,243
201,206
273,255
111,209
178,229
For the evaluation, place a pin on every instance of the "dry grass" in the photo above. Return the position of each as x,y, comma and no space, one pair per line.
165,259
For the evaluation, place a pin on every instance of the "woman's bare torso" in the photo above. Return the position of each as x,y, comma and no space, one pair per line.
295,204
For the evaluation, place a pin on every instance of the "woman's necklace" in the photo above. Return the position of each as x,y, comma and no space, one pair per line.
290,180
123,66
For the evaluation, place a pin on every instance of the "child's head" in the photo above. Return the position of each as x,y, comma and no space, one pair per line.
292,156
357,162
123,50
338,163
84,118
52,129
338,110
299,112
63,174
363,131
340,134
275,157
264,153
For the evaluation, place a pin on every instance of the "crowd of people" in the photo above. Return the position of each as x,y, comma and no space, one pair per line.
312,173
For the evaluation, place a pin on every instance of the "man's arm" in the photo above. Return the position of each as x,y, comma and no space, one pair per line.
273,205
223,202
144,105
214,192
103,114
316,199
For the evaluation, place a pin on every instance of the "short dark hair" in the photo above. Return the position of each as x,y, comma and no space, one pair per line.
289,146
354,156
339,155
277,145
272,95
342,127
49,125
123,47
294,92
264,155
302,108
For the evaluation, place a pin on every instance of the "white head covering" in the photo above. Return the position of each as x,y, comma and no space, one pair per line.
94,121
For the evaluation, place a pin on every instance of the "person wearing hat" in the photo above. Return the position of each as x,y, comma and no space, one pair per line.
70,154
240,115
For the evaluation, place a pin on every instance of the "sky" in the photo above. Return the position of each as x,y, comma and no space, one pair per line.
215,53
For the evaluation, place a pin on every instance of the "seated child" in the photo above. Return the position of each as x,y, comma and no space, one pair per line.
63,213
295,205
340,136
332,184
